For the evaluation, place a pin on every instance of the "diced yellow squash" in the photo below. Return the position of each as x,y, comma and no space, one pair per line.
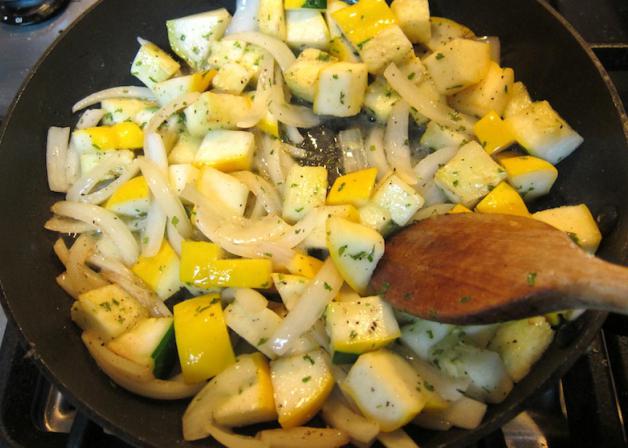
301,384
388,46
290,288
414,19
490,94
231,77
503,200
230,273
302,76
185,149
376,217
305,188
254,402
469,175
271,18
317,239
364,20
493,133
269,124
119,110
577,221
304,265
340,89
400,199
202,338
444,31
172,88
332,7
340,48
125,135
354,188
437,136
194,255
160,272
543,133
131,199
459,208
532,177
519,99
379,100
458,65
108,311
223,189
305,4
226,150
128,135
355,250
152,65
215,111
384,387
223,52
306,28
180,175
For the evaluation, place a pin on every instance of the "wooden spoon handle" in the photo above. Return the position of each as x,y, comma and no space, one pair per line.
603,286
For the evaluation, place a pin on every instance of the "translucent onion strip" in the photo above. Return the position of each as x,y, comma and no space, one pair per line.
443,115
90,118
320,291
80,276
167,199
155,151
262,94
245,17
293,134
278,49
338,414
396,143
263,190
106,222
295,151
56,157
495,45
72,165
174,238
352,147
270,149
169,109
141,93
153,234
298,116
80,191
375,152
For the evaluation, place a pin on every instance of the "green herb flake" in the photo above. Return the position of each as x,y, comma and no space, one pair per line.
465,299
262,341
327,286
309,359
411,76
175,221
342,187
531,278
439,56
342,249
305,379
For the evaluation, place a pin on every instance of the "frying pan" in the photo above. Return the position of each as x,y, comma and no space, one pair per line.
96,53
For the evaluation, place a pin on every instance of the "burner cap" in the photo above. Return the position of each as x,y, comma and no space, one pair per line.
27,12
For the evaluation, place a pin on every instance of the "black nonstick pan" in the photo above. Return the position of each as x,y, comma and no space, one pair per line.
96,52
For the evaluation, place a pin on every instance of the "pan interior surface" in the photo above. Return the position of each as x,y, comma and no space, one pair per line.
97,52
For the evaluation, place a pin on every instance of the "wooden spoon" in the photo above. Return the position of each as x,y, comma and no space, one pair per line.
481,268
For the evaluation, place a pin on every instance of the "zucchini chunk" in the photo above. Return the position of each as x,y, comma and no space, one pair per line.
414,19
226,150
306,28
161,271
305,189
271,18
152,65
532,177
490,94
340,89
215,111
224,190
577,221
302,76
401,200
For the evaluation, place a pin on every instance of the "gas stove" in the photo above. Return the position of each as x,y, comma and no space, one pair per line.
586,408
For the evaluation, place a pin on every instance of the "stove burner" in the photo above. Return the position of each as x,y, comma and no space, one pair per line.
28,12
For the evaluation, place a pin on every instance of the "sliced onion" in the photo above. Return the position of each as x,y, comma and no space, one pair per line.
72,165
56,157
116,162
302,229
169,109
495,46
302,436
262,94
63,281
141,93
439,113
270,149
155,151
396,142
352,147
396,439
61,251
90,118
375,152
168,200
285,160
153,234
338,414
320,291
293,135
116,272
174,238
245,17
278,49
106,222
80,276
263,190
427,167
298,116
295,151
69,226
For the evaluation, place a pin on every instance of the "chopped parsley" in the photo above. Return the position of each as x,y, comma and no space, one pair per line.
531,278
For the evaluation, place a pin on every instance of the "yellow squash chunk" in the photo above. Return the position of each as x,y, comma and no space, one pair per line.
414,19
354,188
126,135
170,89
317,239
304,265
202,338
503,200
577,221
226,150
290,288
443,31
230,273
131,199
519,99
232,77
302,76
340,89
390,45
364,20
254,402
531,176
194,255
301,385
459,208
269,125
160,272
490,94
340,48
224,190
493,133
215,111
152,65
271,18
305,189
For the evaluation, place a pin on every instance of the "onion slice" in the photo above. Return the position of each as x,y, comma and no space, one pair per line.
90,118
181,102
396,142
142,93
167,199
293,134
298,116
56,157
278,49
155,151
320,291
439,113
262,94
245,17
263,190
106,222
375,153
153,234
352,147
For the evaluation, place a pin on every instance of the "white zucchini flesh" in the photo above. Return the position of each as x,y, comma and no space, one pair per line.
422,335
